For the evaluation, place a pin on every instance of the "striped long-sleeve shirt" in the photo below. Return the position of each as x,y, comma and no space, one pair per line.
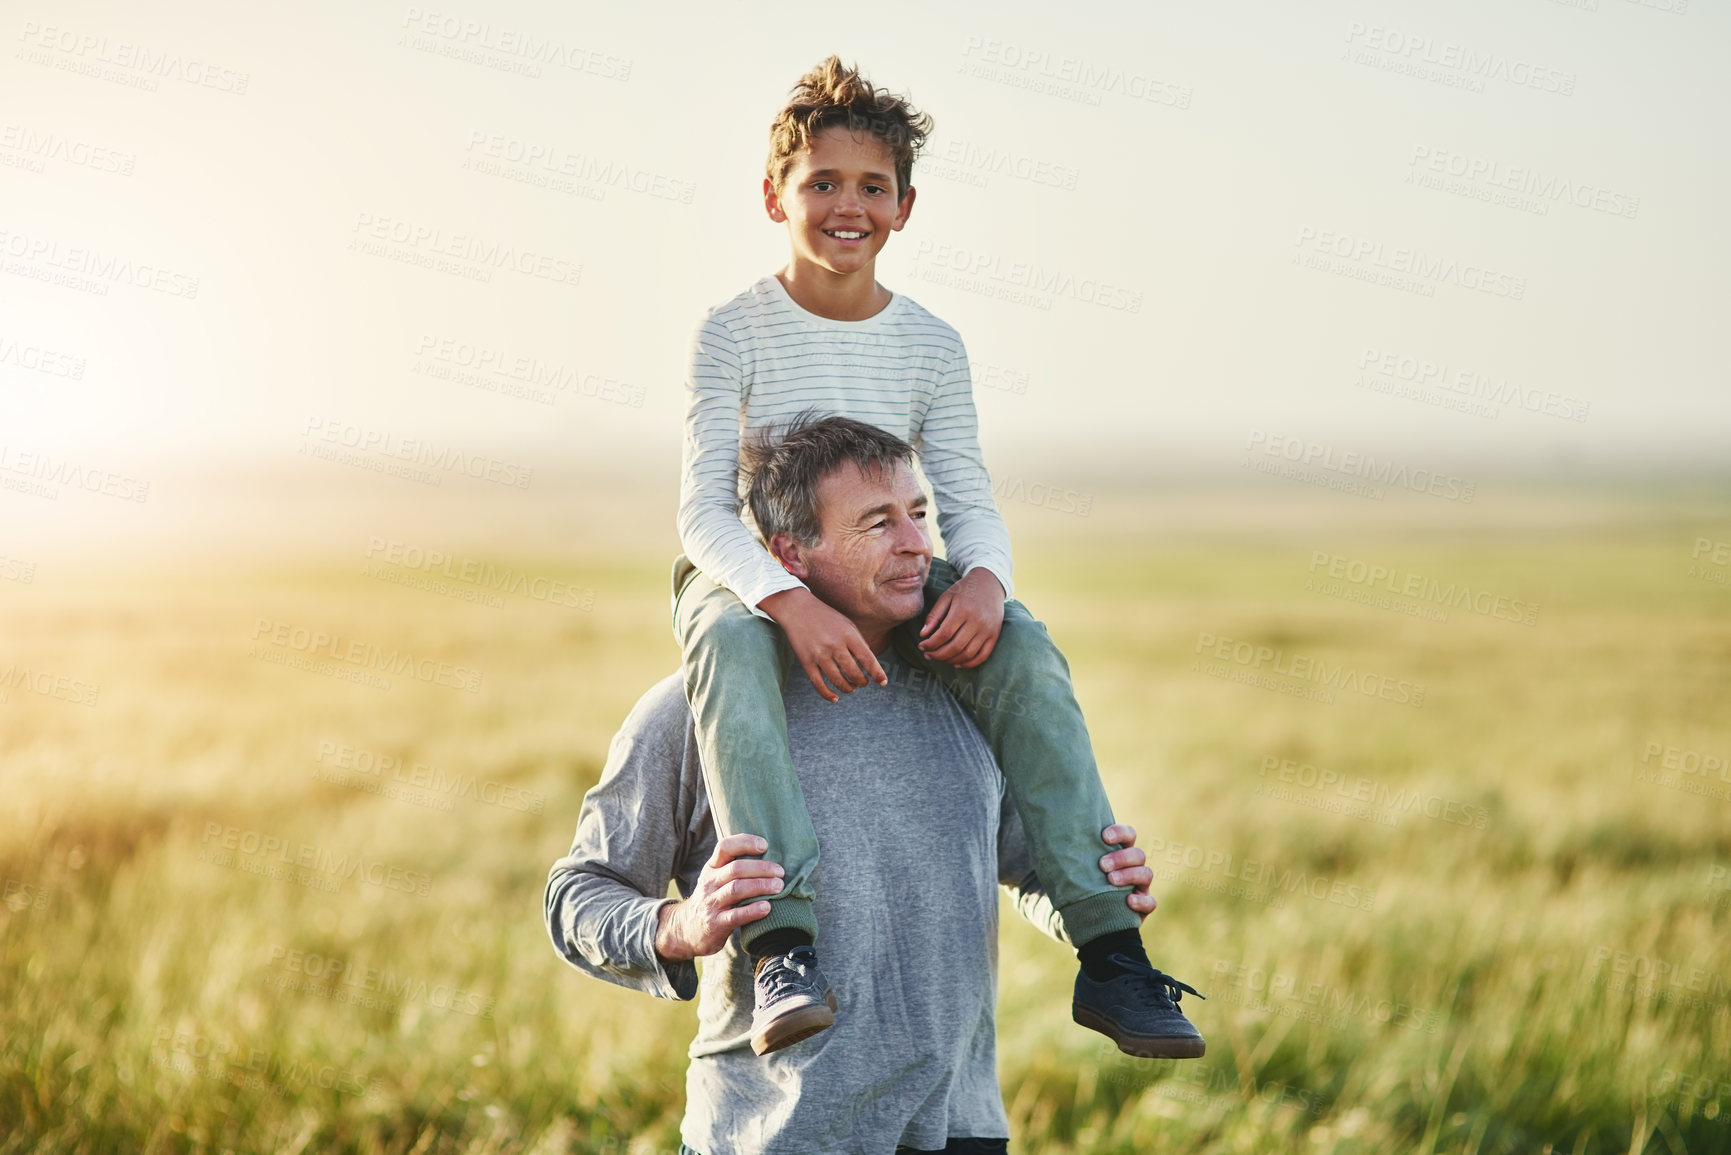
759,360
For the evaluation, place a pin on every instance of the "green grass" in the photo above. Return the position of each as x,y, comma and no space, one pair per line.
1381,981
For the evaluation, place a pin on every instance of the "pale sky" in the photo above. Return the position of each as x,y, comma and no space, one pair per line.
1541,181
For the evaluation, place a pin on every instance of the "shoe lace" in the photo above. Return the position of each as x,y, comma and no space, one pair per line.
781,975
1156,987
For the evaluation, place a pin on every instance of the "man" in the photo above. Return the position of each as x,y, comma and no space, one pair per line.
915,830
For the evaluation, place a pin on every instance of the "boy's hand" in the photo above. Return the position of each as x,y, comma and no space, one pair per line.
964,624
1127,867
697,926
826,643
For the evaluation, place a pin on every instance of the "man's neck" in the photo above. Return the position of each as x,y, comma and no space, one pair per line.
854,297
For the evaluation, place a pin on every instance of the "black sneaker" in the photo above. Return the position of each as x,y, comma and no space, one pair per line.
793,1001
1138,1010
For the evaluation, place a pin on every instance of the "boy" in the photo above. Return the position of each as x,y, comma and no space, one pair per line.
823,337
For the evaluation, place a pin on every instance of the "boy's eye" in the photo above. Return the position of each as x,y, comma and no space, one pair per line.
821,186
873,188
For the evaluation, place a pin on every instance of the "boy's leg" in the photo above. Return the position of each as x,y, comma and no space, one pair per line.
1024,705
735,668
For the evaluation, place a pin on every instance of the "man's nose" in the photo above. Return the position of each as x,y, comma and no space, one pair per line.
912,537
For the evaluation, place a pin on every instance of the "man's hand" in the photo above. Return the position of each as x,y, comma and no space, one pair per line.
1128,867
965,621
826,643
698,925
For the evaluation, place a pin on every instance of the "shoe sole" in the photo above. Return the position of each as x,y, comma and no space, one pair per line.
794,1026
1140,1046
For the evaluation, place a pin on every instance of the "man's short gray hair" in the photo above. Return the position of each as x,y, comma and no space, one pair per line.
784,466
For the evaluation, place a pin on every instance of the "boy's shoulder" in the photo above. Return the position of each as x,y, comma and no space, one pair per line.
765,303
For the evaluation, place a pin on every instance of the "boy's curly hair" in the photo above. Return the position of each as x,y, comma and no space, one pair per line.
832,94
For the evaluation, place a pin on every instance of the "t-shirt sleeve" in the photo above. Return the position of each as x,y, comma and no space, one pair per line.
974,531
1016,873
710,529
633,837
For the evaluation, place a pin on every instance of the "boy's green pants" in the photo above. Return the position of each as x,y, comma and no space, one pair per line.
736,665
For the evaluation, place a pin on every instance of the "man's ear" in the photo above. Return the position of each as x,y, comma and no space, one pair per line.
772,202
791,555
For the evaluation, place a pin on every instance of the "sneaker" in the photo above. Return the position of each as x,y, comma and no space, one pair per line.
793,1001
1138,1010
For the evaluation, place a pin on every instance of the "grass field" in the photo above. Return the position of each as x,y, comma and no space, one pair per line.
1477,903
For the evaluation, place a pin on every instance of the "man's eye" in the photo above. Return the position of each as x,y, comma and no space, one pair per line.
919,515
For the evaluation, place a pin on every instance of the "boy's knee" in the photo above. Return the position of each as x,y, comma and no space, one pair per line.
735,630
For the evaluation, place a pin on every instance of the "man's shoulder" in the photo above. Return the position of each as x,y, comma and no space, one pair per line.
661,716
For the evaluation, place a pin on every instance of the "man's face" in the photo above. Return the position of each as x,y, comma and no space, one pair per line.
840,201
875,550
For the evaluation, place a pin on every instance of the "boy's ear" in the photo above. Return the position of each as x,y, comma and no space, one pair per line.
903,208
792,557
772,203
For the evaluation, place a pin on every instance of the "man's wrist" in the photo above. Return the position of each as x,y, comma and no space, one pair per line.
669,947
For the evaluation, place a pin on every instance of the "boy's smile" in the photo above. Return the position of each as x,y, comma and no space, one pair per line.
840,203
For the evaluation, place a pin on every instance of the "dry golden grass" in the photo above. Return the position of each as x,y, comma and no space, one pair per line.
1486,1000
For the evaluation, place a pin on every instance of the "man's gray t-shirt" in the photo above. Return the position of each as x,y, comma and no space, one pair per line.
915,832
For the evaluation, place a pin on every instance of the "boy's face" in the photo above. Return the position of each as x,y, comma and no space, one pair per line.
839,201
